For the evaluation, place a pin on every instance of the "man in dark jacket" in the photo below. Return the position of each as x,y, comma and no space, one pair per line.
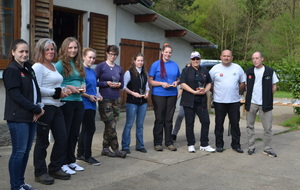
261,85
195,82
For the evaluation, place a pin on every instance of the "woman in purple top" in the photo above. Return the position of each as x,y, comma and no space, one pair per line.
110,80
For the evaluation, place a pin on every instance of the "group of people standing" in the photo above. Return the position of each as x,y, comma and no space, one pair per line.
61,97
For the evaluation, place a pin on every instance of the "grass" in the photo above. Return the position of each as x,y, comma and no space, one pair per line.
293,124
283,94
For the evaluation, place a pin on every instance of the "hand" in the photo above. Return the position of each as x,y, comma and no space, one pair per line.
37,116
92,98
65,92
137,95
113,85
175,84
73,89
165,85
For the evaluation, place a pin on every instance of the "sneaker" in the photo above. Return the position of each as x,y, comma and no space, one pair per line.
121,154
68,170
45,179
207,148
107,152
92,161
191,149
270,153
60,174
219,149
171,147
251,151
158,148
76,167
126,150
80,157
27,187
143,150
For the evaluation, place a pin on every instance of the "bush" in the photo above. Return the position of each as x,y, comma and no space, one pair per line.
296,87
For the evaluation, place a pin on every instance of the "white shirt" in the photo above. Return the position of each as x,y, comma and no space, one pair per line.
47,80
226,82
257,88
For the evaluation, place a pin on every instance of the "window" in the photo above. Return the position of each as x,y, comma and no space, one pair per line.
9,28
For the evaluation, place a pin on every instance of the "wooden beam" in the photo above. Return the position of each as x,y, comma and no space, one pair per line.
175,33
145,18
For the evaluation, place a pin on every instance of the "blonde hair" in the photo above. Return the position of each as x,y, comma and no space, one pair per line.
63,55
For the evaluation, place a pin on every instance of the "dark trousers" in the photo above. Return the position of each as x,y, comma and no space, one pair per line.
73,113
86,135
53,120
203,116
164,108
233,110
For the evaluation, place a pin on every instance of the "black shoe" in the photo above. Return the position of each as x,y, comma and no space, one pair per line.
174,137
45,179
60,174
239,150
251,151
92,161
107,152
126,150
80,157
270,153
143,150
121,154
219,149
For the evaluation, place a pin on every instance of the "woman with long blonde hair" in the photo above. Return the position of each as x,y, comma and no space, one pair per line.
71,68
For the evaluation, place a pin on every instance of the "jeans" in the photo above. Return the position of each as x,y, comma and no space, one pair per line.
54,121
73,114
22,135
233,110
164,108
139,111
86,135
203,116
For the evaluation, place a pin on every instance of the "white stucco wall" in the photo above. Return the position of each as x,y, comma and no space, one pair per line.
127,28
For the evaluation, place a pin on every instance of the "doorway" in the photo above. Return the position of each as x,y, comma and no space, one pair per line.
66,23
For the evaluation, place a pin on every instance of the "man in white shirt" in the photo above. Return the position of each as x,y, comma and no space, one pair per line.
228,79
261,85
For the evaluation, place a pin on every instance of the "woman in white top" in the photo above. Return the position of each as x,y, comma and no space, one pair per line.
49,81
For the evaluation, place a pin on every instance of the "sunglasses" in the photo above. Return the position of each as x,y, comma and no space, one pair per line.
195,58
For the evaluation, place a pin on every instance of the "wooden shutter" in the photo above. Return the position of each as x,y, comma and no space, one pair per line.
41,21
98,35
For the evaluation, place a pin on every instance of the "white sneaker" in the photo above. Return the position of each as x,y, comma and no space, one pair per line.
207,148
68,170
76,167
191,149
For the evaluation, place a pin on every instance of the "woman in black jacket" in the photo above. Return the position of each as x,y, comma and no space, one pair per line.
21,110
195,82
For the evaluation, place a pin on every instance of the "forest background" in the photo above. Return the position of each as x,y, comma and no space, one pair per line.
245,26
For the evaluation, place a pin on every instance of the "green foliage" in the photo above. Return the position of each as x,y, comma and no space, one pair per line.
293,124
296,86
283,94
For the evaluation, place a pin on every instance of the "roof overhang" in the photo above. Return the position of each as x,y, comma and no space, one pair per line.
172,29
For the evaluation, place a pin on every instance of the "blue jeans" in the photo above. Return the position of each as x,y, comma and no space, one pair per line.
139,111
22,135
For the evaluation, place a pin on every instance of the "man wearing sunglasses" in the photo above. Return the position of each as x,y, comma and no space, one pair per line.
227,79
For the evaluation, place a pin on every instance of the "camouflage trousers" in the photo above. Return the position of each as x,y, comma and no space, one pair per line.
109,112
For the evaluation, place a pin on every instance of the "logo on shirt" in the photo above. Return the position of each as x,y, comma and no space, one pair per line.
22,75
250,76
221,75
267,77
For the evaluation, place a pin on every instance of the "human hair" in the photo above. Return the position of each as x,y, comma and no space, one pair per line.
162,63
87,49
14,46
132,67
63,55
41,47
112,48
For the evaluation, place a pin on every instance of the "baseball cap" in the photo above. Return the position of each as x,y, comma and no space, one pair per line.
195,54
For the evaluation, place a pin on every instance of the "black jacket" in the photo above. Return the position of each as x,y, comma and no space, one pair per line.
19,105
267,94
188,75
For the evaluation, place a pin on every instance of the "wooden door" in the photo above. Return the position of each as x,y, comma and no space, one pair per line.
128,49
